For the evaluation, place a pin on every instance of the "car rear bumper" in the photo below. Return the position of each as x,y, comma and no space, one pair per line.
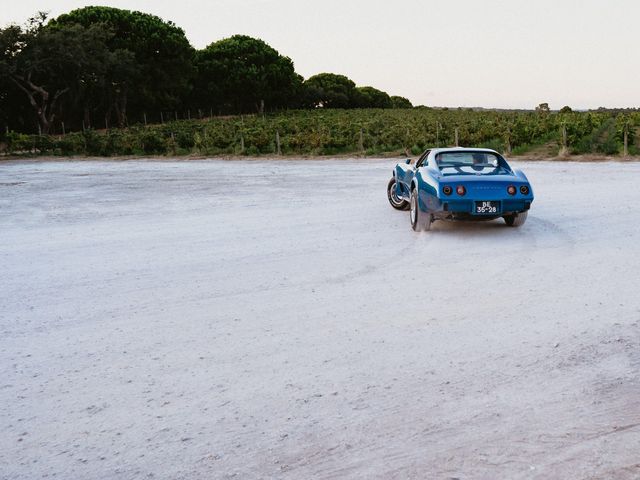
467,207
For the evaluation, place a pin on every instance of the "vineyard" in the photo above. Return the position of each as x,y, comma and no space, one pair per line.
357,132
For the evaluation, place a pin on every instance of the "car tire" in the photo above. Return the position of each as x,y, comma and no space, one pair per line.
516,220
394,200
420,221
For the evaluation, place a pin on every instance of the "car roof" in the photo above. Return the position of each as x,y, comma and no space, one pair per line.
461,149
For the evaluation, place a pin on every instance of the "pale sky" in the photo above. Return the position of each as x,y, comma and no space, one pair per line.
486,53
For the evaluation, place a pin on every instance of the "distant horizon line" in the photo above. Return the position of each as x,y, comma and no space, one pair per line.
524,109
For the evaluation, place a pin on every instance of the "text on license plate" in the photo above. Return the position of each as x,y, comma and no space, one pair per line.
487,207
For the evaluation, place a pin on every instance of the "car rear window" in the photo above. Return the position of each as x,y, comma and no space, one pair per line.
468,162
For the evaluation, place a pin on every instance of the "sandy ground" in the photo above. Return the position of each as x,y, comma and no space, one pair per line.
277,319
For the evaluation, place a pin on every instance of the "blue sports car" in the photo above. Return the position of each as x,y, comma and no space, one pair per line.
460,184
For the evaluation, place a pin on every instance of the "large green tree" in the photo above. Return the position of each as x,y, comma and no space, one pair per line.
11,101
160,51
242,73
369,97
400,102
329,90
48,65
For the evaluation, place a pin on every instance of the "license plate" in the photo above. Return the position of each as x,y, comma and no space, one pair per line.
487,207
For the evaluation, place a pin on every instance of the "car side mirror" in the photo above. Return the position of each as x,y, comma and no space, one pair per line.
408,161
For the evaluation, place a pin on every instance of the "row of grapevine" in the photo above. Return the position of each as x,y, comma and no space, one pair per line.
330,132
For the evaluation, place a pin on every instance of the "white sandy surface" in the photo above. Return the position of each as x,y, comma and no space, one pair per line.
277,319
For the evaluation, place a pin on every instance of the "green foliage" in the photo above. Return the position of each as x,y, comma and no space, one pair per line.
151,60
153,141
369,97
400,102
19,142
47,65
101,66
543,108
70,144
337,131
600,138
244,74
329,90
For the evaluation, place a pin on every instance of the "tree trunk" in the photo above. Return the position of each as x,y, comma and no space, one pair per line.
121,108
87,117
40,99
43,121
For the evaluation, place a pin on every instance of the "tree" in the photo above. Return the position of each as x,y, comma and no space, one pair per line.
329,90
543,108
369,97
46,64
157,72
400,102
566,109
6,109
242,73
104,89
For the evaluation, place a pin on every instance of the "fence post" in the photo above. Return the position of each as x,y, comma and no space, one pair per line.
361,142
145,119
241,142
161,117
626,140
63,131
564,150
457,145
278,143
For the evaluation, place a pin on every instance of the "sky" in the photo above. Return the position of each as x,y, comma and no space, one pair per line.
468,53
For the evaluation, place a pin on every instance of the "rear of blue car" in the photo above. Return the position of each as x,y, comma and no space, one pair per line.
482,198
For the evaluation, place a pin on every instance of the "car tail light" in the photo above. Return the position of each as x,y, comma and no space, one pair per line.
511,190
460,190
524,190
447,190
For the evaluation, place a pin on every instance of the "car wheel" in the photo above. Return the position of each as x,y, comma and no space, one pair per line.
516,220
395,201
419,220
